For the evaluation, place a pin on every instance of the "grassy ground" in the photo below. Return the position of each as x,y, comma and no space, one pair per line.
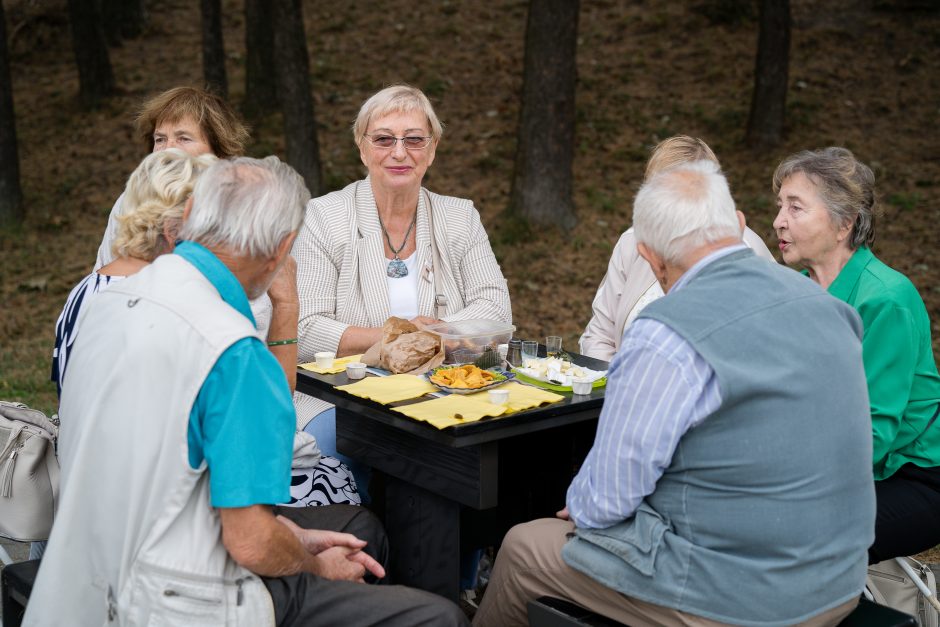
862,75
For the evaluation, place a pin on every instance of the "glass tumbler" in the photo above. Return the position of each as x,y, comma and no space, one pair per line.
530,350
553,345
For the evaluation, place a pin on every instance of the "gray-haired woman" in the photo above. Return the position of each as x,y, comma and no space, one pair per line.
385,246
825,225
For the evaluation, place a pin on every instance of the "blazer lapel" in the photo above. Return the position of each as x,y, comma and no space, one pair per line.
424,263
371,256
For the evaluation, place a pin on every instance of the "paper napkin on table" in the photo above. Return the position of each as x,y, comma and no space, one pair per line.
521,396
338,365
385,390
452,409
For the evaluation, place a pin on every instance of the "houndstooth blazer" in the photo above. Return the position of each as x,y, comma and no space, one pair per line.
341,264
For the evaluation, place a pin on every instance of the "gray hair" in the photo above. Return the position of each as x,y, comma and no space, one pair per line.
246,206
846,187
683,208
396,99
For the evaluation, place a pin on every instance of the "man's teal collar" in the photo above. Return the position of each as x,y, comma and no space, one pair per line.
218,274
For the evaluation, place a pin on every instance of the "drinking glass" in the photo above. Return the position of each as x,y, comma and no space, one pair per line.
530,350
553,344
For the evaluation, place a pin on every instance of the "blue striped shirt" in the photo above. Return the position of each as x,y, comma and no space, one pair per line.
658,387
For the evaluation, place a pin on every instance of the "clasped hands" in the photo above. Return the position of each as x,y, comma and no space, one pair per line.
336,556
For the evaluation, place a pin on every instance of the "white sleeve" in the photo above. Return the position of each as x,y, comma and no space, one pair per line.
105,255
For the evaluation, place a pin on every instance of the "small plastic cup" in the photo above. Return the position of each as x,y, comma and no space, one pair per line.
499,397
553,344
581,386
355,370
324,359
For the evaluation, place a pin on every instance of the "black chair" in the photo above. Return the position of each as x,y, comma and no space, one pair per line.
17,584
552,612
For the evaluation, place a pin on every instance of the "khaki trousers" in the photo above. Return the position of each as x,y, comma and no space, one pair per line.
529,565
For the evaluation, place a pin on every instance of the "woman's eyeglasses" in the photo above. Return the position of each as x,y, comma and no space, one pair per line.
410,142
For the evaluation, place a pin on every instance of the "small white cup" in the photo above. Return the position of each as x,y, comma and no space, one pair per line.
499,397
355,370
582,386
325,359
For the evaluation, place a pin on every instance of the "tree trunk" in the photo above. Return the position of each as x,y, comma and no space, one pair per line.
292,73
542,182
95,78
122,19
213,48
11,197
260,88
769,102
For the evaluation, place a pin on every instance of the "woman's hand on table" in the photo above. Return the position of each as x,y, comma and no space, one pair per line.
423,321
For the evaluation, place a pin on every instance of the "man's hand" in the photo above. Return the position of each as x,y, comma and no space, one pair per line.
339,555
563,514
283,290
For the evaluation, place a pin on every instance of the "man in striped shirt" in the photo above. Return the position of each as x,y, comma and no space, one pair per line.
733,441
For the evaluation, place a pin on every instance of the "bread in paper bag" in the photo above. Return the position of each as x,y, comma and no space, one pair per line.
404,348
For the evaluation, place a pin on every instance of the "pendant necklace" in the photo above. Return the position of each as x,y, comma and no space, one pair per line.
396,267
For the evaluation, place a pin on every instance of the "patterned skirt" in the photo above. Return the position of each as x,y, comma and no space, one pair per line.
328,483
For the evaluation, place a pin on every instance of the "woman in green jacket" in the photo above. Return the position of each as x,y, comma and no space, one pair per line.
825,226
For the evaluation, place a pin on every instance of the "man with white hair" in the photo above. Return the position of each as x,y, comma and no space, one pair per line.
176,440
730,479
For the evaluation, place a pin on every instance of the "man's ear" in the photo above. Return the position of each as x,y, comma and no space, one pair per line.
656,262
283,249
742,221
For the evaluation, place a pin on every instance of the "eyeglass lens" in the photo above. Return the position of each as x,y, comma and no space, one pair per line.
389,141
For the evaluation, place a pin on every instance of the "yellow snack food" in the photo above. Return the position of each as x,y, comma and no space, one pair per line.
465,377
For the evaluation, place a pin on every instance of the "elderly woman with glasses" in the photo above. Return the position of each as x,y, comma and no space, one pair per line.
386,246
825,226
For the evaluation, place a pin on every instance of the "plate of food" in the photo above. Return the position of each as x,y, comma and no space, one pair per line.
467,378
557,374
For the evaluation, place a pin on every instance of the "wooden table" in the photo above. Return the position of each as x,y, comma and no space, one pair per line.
464,486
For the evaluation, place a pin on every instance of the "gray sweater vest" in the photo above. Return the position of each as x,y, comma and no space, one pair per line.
767,509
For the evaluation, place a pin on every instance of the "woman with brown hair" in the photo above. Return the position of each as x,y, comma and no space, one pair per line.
193,120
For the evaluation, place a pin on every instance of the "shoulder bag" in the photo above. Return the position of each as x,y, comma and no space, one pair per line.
29,472
892,585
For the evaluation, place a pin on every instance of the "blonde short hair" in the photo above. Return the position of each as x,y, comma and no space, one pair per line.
396,99
224,132
153,201
676,150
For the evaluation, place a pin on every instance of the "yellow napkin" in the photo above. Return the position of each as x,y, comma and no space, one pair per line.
521,396
385,390
338,365
442,412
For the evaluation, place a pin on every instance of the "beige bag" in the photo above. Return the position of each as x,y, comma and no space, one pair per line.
29,472
891,585
404,348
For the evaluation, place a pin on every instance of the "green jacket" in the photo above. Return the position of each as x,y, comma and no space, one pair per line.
903,384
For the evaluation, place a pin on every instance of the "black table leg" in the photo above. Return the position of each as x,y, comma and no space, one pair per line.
424,539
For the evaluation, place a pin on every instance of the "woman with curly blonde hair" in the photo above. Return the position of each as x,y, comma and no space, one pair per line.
155,196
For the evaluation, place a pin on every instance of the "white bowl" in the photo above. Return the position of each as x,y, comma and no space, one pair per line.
355,370
324,359
499,397
581,386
